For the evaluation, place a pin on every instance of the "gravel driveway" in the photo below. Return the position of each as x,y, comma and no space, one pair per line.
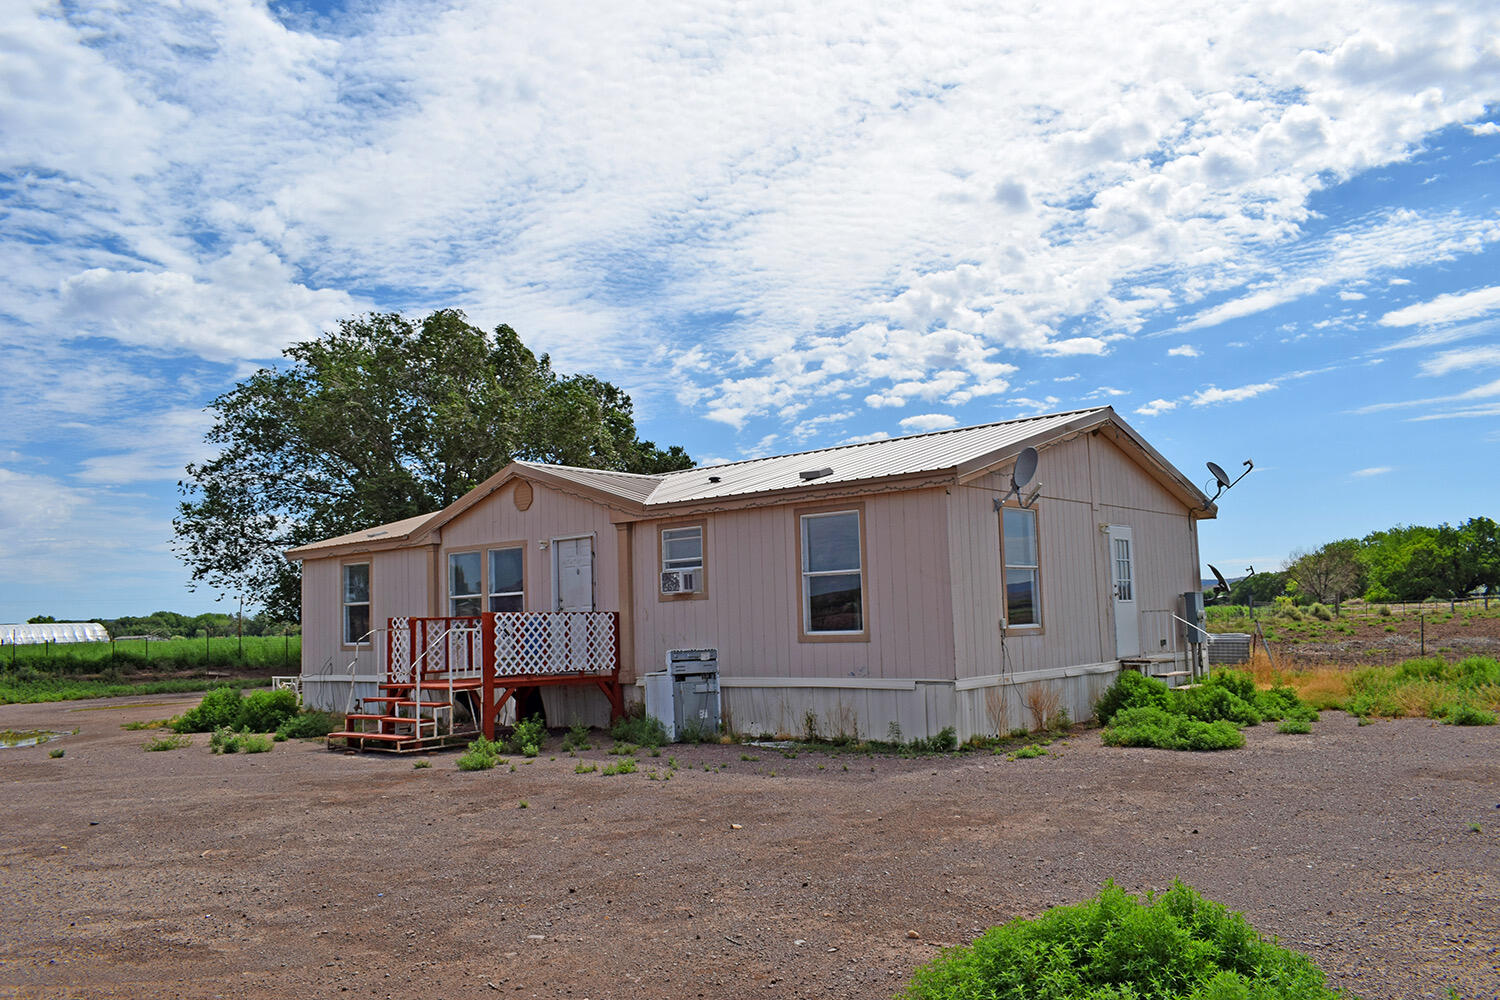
303,873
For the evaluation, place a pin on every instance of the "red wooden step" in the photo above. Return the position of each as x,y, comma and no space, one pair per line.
389,737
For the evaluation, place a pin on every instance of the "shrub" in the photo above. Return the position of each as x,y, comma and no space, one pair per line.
265,711
1465,714
224,740
1151,726
309,724
625,765
176,741
1115,946
1321,612
577,738
1295,727
640,729
220,707
1131,690
1282,702
1210,702
255,742
526,737
481,755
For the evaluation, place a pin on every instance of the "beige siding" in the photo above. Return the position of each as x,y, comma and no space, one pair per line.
1086,482
552,514
752,613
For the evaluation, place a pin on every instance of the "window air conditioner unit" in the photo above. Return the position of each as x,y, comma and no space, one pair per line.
680,581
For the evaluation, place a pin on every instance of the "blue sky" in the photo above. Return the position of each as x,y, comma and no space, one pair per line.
1257,230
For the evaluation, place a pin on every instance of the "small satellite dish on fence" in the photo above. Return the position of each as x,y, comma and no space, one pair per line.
1021,474
1222,478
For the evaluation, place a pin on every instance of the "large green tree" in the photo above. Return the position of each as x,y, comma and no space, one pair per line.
382,419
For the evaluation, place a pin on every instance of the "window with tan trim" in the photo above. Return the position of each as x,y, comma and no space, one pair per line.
354,596
831,574
507,580
1022,568
465,583
683,557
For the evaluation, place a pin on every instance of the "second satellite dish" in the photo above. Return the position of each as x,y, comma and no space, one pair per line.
1025,468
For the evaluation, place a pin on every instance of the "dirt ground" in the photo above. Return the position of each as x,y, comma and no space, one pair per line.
1406,633
303,873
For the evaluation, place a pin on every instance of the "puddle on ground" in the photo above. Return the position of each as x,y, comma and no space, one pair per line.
27,737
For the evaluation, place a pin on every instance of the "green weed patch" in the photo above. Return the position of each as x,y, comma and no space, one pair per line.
1173,946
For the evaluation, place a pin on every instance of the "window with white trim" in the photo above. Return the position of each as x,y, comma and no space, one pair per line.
833,592
465,586
1022,567
508,579
355,598
682,559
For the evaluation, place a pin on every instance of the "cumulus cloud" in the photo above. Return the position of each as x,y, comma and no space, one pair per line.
1446,309
1213,394
928,422
1183,351
1156,407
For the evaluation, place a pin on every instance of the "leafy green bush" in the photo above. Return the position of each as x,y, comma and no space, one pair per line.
1321,612
1210,702
175,741
577,738
1282,702
1175,946
265,711
625,765
309,724
1151,726
1131,690
255,742
1299,727
1464,714
481,755
639,729
220,707
526,737
224,740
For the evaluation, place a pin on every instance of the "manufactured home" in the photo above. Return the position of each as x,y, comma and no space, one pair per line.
901,582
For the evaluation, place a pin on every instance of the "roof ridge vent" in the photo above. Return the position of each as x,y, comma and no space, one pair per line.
807,475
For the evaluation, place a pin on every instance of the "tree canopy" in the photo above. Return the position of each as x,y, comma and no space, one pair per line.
382,419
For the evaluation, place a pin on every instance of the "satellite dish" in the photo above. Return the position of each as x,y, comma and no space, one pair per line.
1223,586
1025,468
1020,474
1222,478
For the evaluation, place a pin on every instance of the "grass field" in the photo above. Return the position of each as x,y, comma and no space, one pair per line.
258,654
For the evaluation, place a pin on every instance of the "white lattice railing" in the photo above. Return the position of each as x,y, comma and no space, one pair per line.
530,643
521,644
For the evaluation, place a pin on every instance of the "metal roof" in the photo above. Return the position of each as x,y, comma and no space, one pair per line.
932,452
379,533
629,485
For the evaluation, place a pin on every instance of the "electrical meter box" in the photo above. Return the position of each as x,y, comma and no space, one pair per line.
695,704
1192,614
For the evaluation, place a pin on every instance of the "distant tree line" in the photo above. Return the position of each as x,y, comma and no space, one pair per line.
1404,563
169,624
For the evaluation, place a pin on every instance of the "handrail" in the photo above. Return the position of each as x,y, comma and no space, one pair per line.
354,662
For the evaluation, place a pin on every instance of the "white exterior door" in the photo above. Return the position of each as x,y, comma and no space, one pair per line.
573,563
1122,584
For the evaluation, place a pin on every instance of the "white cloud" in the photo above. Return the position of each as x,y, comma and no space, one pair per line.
1462,359
1484,391
1183,351
1484,128
1446,309
928,422
866,438
1376,470
1351,296
1213,394
1155,407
